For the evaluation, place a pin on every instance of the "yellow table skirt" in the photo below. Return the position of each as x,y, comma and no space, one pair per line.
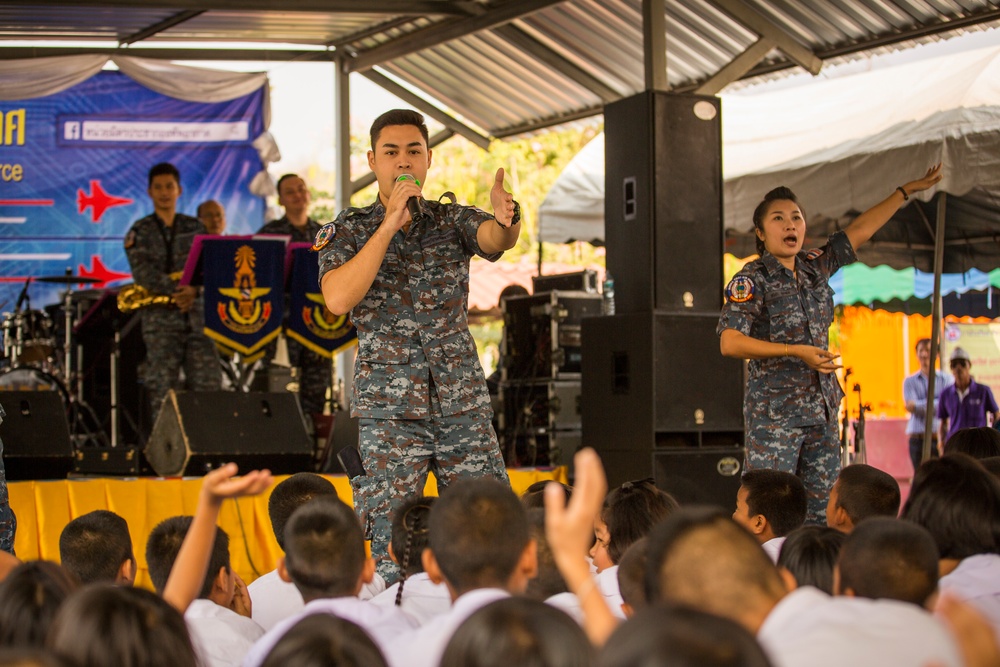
44,508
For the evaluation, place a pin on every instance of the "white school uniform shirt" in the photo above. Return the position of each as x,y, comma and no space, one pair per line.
424,646
607,581
275,599
569,603
422,598
773,548
221,637
383,624
808,627
976,580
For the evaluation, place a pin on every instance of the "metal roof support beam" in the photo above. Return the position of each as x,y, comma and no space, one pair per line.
765,27
369,178
654,44
392,7
165,24
445,31
738,67
539,51
426,107
341,135
283,55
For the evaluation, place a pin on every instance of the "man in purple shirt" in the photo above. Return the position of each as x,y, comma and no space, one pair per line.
965,403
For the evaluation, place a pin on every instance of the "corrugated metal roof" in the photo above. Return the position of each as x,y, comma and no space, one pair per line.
507,66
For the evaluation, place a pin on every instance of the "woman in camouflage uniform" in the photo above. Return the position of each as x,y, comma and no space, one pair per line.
777,315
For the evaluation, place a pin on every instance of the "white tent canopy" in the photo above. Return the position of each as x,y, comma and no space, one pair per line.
881,125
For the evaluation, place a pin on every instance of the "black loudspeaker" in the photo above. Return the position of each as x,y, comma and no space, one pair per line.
35,434
197,431
653,381
700,476
663,202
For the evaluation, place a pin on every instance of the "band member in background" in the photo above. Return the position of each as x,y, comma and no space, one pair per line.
778,313
400,266
8,522
213,216
314,371
157,248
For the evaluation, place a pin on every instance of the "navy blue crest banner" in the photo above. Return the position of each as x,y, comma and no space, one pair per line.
244,292
309,321
73,174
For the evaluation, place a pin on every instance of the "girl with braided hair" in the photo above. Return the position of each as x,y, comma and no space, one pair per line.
414,593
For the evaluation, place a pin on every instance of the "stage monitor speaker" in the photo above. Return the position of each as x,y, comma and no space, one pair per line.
197,431
35,434
663,202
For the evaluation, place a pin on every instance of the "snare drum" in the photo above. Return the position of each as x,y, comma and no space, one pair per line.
28,337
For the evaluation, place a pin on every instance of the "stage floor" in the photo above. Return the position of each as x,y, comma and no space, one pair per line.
43,508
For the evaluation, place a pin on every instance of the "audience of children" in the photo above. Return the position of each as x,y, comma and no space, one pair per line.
770,504
696,587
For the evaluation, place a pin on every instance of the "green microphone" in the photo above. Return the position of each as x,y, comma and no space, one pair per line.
413,204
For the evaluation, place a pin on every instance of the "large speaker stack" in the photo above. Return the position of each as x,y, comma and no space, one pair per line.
540,376
658,398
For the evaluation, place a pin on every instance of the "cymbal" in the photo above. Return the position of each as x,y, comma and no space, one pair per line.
66,280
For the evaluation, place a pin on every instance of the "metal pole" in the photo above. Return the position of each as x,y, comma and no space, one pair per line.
935,325
342,133
654,44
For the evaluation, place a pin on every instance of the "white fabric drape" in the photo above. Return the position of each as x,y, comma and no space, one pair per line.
38,77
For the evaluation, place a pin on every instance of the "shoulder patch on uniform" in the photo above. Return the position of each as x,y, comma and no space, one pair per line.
130,239
324,235
740,289
815,253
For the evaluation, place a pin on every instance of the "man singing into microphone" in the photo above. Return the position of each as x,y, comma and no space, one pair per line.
400,266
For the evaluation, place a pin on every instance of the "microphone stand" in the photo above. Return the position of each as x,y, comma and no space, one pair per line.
860,452
845,452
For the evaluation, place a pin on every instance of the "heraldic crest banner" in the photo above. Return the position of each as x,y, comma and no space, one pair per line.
244,292
309,321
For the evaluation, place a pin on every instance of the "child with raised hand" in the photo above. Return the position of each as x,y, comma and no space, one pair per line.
188,573
414,593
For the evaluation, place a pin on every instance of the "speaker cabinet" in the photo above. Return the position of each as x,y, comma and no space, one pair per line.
700,476
197,431
35,434
663,202
653,381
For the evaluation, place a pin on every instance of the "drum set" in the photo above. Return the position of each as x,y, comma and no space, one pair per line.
38,355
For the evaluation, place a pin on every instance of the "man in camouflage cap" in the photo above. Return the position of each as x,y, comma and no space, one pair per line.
157,248
400,266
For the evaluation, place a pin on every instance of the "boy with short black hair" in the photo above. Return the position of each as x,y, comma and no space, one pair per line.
278,599
325,560
888,559
97,547
770,504
481,547
219,620
860,492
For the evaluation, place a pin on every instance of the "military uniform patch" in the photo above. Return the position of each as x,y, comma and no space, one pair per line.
130,239
815,253
324,236
740,289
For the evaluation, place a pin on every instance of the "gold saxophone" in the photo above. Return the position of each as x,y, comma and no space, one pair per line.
133,297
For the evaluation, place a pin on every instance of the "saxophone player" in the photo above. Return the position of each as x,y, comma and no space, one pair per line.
157,247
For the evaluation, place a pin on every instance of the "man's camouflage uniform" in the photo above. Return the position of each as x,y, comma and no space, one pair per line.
419,389
790,410
315,373
8,522
173,339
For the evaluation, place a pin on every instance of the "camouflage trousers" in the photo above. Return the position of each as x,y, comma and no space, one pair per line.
173,341
398,454
8,522
810,452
